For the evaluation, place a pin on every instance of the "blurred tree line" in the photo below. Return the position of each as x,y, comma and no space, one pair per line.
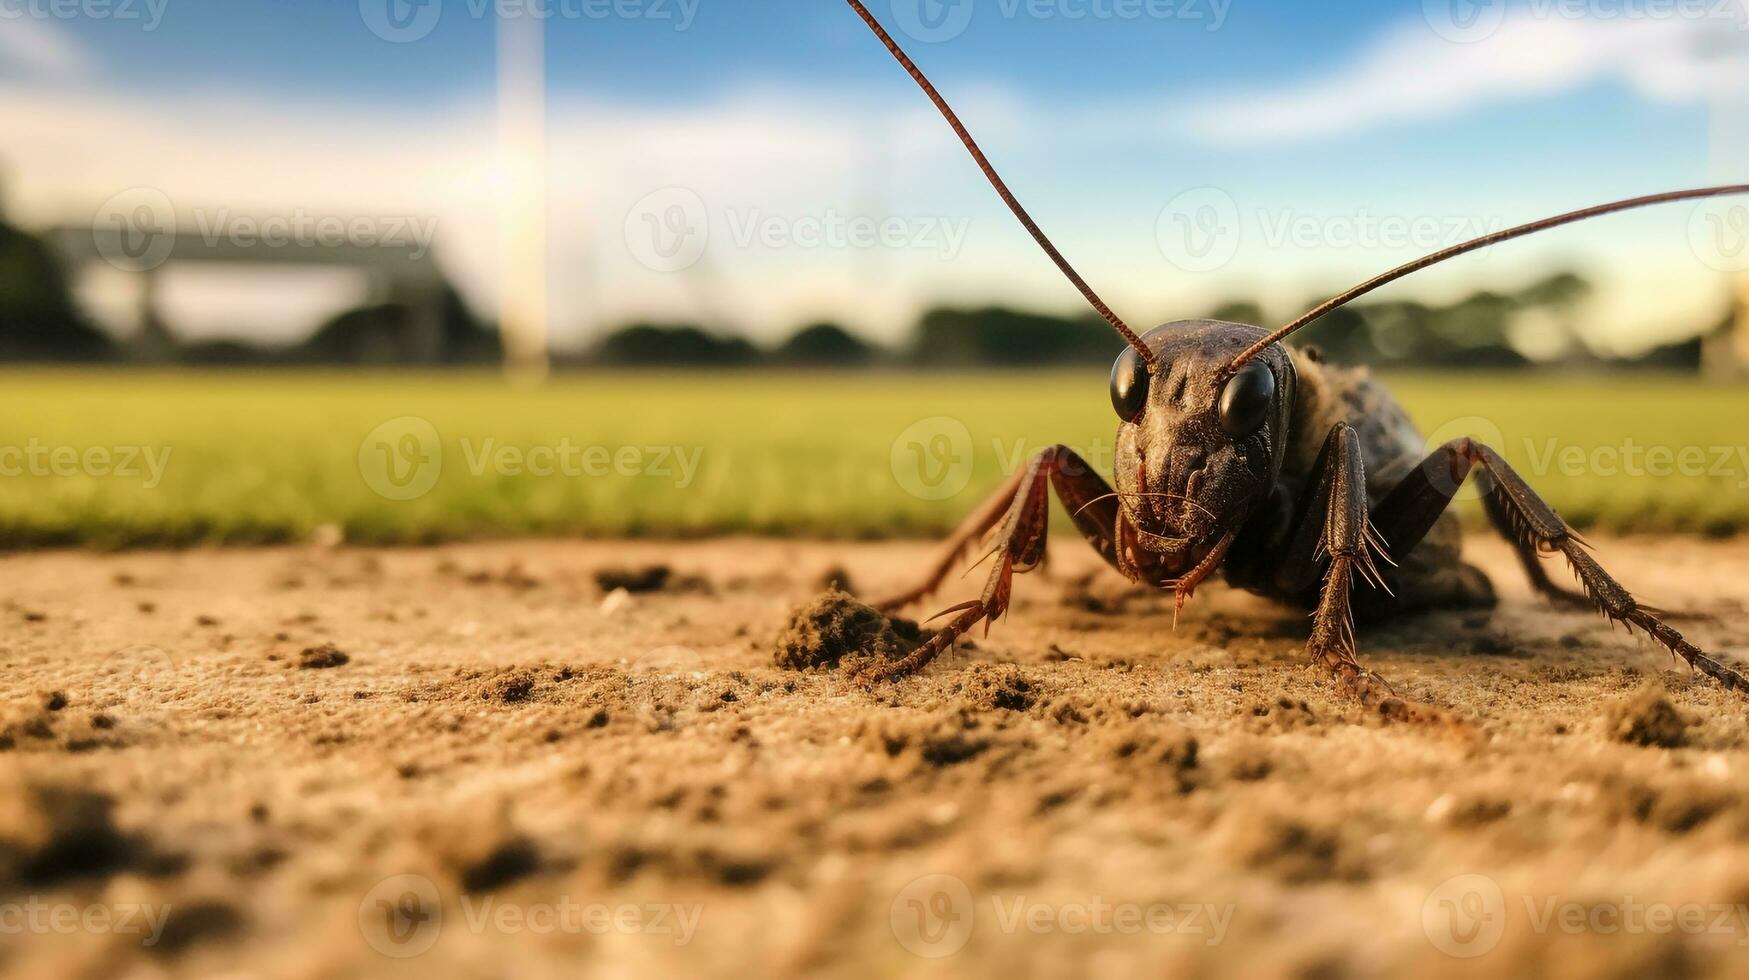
40,321
1475,332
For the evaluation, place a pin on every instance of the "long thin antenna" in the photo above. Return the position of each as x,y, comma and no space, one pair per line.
1002,188
1470,246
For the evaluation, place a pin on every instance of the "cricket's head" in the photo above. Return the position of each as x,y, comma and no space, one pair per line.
1200,445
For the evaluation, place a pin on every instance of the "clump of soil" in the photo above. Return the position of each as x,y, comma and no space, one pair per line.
1290,848
1174,748
323,657
987,687
1468,809
648,578
192,923
1250,761
51,834
483,852
513,576
837,578
835,627
513,689
1647,718
930,741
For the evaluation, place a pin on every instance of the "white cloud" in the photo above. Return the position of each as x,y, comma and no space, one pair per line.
39,48
750,157
1412,73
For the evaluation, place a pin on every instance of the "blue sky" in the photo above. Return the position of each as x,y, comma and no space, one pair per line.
1312,122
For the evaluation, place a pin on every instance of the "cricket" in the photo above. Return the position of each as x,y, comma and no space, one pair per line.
1295,479
566,489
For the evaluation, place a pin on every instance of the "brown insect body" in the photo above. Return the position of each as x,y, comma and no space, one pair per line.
1433,574
1183,483
1301,481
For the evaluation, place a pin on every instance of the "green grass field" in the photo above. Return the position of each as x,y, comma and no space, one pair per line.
115,459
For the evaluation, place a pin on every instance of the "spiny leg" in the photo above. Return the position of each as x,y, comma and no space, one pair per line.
1333,523
1406,514
1019,544
1501,516
969,532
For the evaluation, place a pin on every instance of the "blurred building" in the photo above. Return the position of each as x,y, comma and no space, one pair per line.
1725,352
406,285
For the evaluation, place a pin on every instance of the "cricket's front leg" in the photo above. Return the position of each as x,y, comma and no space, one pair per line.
1019,514
1334,527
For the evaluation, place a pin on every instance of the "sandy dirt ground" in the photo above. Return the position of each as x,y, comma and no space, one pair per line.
474,761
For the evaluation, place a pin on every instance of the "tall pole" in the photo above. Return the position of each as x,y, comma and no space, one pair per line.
1728,150
522,151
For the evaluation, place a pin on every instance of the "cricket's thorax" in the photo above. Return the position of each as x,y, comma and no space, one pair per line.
1391,446
1390,442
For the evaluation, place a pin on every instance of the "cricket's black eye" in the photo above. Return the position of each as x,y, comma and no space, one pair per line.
1245,400
1129,385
